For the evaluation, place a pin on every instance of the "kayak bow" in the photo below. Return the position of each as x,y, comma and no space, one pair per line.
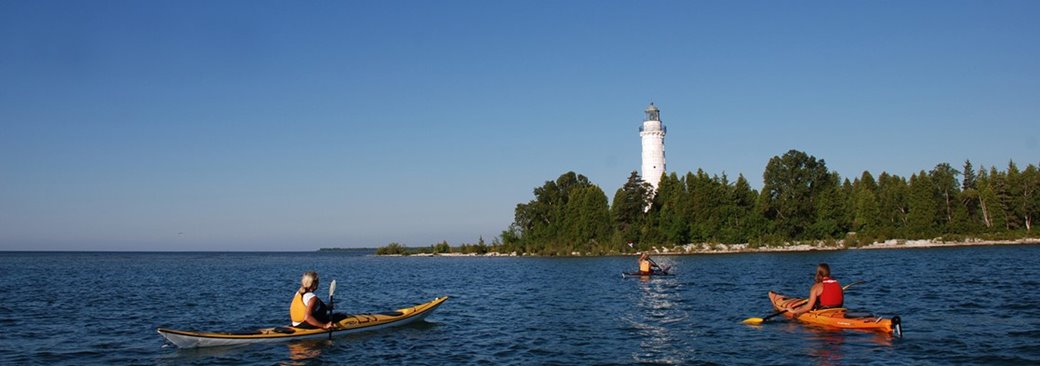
351,324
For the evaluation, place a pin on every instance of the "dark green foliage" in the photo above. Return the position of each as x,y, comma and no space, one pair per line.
794,186
704,203
865,206
1030,196
586,218
944,177
1014,199
743,219
969,177
441,247
972,219
831,219
568,214
997,198
924,210
800,201
392,249
893,193
668,212
629,209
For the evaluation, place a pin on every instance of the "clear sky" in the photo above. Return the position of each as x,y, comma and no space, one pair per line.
224,125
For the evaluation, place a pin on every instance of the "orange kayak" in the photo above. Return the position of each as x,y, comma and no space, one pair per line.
837,317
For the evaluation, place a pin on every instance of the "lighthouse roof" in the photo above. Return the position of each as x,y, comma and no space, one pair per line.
652,107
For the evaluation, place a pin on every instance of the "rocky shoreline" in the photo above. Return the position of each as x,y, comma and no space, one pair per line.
690,249
697,249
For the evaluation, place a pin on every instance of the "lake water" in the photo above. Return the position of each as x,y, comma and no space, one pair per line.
968,305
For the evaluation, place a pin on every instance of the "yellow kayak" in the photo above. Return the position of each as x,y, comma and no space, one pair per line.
351,324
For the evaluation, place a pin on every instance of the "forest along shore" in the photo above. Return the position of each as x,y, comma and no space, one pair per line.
695,249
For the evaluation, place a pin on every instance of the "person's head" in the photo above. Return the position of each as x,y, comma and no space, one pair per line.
644,256
308,282
822,271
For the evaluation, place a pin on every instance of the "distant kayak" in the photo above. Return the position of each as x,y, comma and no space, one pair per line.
838,317
351,324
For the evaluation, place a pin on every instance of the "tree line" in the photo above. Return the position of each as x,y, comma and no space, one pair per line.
800,201
480,247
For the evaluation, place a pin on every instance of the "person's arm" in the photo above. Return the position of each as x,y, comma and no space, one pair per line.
653,264
808,305
310,319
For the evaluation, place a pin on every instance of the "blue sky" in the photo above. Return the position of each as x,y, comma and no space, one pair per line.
285,126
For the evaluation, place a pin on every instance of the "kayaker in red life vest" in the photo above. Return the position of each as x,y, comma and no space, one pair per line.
307,310
825,293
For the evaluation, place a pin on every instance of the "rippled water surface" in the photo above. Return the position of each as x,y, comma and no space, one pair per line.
971,305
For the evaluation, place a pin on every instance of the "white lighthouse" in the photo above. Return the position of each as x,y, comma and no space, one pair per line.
652,132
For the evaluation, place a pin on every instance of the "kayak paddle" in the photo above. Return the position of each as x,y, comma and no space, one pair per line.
756,321
332,291
846,287
663,269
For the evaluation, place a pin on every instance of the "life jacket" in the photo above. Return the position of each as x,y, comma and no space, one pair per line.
298,310
644,266
832,296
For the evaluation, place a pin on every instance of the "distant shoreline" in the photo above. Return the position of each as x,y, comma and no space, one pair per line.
699,249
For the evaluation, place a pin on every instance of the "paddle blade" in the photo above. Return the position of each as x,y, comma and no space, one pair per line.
332,288
753,321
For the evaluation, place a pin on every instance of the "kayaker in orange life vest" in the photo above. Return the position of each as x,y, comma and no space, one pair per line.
307,310
645,264
825,293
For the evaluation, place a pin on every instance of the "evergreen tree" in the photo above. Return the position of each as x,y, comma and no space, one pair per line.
944,177
540,222
745,222
831,218
699,208
969,199
989,200
1015,202
969,177
587,219
1002,215
867,217
921,220
892,205
628,209
1031,195
706,212
671,211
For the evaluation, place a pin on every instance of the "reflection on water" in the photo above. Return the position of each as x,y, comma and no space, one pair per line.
828,346
825,346
656,312
299,352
